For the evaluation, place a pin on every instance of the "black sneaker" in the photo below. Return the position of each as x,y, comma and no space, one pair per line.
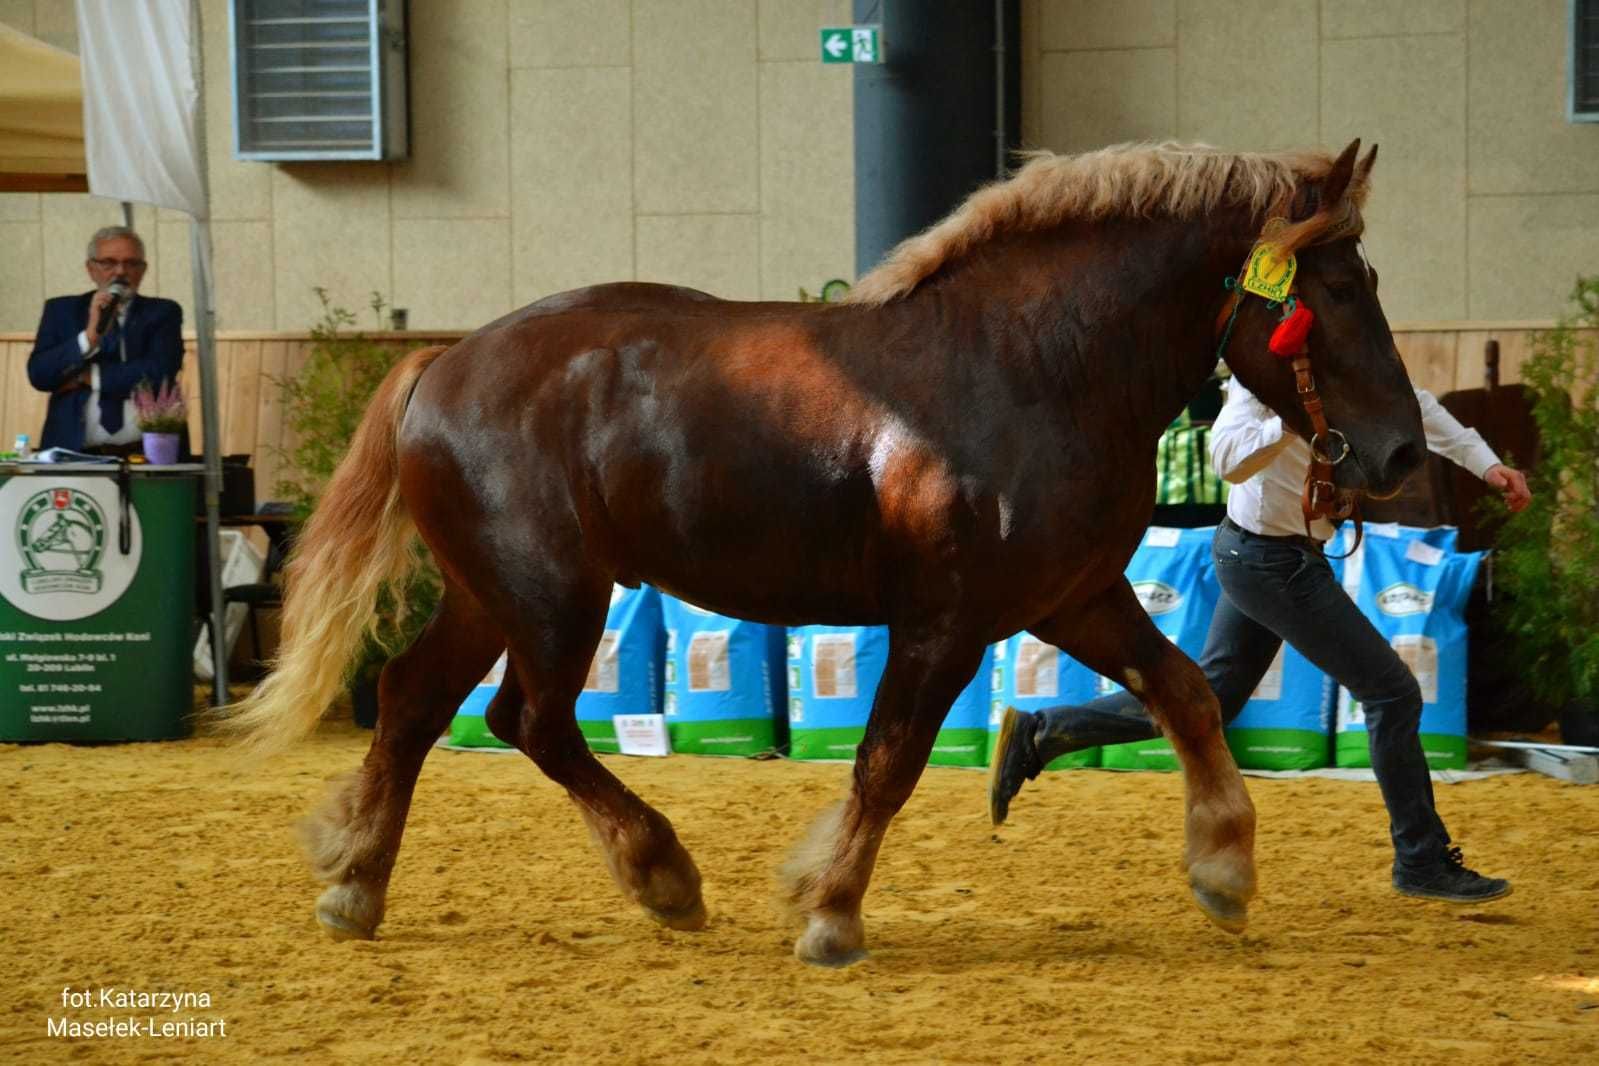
1450,881
1015,760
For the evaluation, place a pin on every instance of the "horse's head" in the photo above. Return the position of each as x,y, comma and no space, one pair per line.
1366,393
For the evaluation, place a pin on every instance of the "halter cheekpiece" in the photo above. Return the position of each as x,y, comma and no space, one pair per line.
1270,273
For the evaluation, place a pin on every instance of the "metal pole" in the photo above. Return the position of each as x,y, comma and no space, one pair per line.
1000,140
205,345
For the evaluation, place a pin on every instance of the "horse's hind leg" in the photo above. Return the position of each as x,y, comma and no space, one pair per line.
551,659
827,875
1113,635
353,840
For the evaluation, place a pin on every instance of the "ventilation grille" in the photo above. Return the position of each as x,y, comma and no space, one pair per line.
319,79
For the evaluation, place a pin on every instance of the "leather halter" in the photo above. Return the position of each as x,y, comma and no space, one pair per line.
1321,497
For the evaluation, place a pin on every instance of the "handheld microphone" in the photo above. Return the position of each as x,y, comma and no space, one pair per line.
119,292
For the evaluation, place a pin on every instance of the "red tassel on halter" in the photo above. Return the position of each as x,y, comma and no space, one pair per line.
1289,337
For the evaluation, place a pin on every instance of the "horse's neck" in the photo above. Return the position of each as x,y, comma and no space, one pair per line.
1117,318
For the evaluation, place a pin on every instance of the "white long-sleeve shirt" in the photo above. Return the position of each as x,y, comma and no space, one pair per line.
1266,465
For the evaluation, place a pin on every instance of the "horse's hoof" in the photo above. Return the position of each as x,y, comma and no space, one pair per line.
832,941
1227,912
831,962
341,928
344,913
688,920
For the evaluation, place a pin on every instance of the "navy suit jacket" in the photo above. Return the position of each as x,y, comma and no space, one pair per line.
154,353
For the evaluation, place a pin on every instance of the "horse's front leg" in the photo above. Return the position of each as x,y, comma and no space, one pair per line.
827,875
1113,635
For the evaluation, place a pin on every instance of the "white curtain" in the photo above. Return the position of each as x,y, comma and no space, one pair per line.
141,102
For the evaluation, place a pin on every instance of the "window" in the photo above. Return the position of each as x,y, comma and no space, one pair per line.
1584,105
319,79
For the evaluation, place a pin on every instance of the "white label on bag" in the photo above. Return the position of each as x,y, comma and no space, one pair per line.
1162,537
1419,551
833,666
1421,655
1037,669
603,676
1271,686
707,662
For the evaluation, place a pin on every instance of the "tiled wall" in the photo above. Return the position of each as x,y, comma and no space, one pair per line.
1486,201
555,143
561,142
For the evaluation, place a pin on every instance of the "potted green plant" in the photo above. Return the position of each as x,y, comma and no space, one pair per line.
323,403
162,417
1549,553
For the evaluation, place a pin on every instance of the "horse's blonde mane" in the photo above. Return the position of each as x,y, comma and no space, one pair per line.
1123,181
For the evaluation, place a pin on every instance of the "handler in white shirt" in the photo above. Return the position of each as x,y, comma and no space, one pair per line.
1248,439
1276,586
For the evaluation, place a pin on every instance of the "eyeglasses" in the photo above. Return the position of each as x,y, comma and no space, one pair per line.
112,264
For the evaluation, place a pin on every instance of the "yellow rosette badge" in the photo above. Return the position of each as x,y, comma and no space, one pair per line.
1270,272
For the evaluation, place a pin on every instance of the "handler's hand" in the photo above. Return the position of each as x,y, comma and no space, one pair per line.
1510,483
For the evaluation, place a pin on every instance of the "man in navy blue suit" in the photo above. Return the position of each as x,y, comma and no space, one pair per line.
92,350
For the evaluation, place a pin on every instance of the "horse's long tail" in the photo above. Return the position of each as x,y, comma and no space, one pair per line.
358,538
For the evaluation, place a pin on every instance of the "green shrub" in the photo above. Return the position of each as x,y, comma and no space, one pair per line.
323,403
1549,553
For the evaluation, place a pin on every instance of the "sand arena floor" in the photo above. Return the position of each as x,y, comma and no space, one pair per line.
1064,937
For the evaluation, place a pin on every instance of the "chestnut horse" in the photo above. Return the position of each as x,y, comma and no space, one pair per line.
963,450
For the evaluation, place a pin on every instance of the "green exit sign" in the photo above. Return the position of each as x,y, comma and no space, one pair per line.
852,44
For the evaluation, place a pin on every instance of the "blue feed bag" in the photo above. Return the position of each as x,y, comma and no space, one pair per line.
833,672
724,682
1175,580
467,728
1415,594
625,676
1032,675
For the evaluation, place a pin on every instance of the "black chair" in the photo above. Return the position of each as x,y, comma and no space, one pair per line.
268,592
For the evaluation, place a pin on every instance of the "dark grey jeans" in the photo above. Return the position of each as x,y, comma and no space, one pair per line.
1275,590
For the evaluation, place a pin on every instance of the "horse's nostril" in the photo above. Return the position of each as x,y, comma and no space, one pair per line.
1401,461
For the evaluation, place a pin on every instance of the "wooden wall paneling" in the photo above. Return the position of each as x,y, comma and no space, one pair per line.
23,406
269,420
242,400
298,351
189,381
1515,345
14,380
1429,359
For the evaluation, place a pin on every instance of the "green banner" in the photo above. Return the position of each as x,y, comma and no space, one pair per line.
1077,760
1156,754
960,747
471,731
727,736
839,743
96,642
1444,752
601,735
1278,749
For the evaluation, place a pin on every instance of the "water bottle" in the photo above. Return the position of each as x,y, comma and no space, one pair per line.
23,448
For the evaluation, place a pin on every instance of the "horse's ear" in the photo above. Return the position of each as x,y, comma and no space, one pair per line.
1336,183
1363,168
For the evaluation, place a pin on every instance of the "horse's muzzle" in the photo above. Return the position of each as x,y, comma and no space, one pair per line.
1388,473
